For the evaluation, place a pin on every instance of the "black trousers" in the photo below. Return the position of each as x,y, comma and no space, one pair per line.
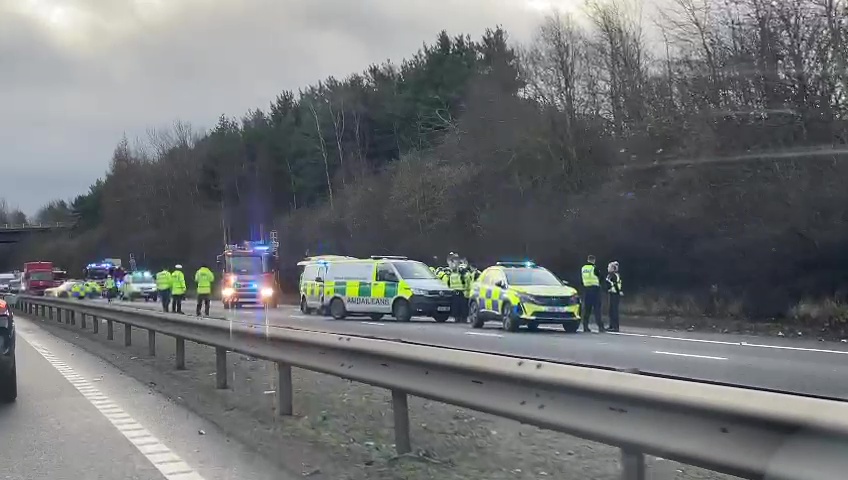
592,305
165,298
614,300
203,298
459,309
177,303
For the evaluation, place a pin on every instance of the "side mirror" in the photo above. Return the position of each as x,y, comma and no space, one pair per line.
319,279
500,284
565,282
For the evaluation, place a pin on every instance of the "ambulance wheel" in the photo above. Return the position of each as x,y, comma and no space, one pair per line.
474,315
441,317
303,307
337,309
401,310
510,321
376,316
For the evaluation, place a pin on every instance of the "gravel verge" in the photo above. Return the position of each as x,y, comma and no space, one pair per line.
343,429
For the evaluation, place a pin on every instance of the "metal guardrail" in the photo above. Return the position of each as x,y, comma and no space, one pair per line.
743,432
34,226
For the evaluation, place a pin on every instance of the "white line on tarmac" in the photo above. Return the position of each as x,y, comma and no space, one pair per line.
374,323
697,340
483,334
628,334
707,357
801,349
167,462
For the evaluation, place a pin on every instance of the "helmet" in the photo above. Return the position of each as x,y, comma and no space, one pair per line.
178,266
612,267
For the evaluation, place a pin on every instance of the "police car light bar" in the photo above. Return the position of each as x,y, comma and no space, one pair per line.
388,257
527,264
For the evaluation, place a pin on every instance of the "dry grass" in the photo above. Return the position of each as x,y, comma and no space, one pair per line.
825,311
685,305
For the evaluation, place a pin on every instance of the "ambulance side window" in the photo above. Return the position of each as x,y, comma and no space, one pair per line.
310,273
385,273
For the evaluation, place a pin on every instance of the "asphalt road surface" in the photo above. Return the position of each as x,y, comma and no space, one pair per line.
791,365
77,418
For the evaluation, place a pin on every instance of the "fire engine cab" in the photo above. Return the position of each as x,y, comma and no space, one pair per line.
250,275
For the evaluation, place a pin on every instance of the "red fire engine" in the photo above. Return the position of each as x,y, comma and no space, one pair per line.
250,275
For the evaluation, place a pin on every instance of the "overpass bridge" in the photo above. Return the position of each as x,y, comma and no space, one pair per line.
15,232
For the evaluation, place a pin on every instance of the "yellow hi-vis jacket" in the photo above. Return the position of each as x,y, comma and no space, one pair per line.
204,278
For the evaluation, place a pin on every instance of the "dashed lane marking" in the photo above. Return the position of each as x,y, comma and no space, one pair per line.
484,334
167,462
374,323
689,355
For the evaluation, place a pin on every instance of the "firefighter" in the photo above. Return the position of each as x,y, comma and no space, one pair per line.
163,287
111,289
591,293
203,278
615,294
178,289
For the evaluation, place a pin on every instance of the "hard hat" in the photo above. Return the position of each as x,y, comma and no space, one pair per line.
178,266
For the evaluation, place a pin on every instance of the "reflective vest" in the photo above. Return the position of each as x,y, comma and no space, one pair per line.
589,277
110,283
178,285
204,278
456,281
614,284
163,280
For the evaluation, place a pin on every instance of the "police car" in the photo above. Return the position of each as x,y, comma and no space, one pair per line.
375,287
523,293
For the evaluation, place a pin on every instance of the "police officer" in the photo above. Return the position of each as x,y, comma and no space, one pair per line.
591,294
457,280
163,288
111,289
203,278
78,290
615,294
178,289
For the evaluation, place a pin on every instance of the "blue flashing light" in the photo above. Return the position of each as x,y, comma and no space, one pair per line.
529,264
261,247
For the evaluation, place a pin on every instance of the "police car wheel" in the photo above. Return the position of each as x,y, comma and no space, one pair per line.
474,315
571,327
303,307
510,323
401,311
337,309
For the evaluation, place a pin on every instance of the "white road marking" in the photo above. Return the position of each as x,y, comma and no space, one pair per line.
166,461
483,334
697,340
628,334
707,357
801,349
374,323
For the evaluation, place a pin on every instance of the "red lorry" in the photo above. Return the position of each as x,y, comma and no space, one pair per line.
37,277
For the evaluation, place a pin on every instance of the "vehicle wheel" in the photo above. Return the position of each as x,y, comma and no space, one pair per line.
376,316
571,327
510,321
303,308
441,317
9,386
146,299
474,315
532,326
401,310
337,309
227,305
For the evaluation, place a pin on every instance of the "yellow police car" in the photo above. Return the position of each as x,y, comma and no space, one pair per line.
375,287
523,293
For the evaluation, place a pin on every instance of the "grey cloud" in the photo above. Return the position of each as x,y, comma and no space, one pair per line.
65,103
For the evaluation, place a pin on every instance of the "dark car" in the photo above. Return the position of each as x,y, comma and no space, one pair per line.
8,372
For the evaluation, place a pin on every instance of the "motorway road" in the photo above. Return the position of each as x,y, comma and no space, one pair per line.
791,365
77,418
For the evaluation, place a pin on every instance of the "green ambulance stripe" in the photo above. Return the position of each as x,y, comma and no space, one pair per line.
391,290
365,289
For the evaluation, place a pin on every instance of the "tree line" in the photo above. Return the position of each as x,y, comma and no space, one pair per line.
704,150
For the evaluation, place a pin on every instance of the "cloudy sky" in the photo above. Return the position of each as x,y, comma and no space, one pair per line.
76,74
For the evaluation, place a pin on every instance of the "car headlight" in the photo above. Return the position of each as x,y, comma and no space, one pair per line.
267,292
525,298
228,292
418,291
